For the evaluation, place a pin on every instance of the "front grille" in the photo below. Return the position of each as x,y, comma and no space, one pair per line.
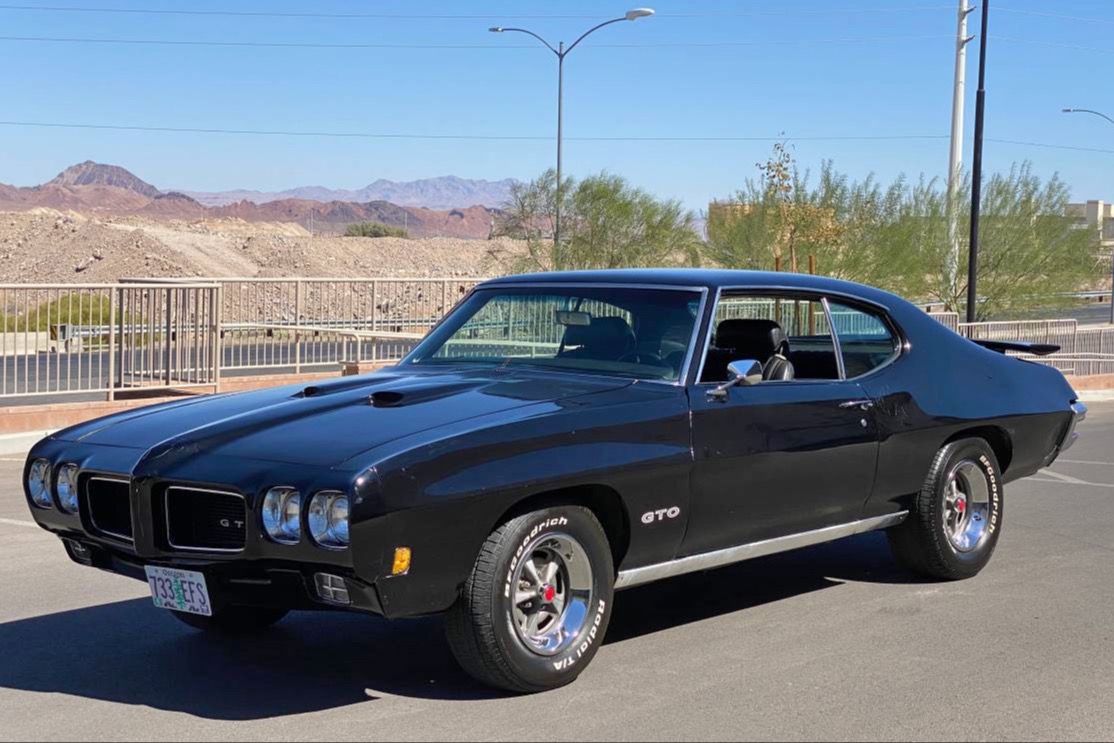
109,506
205,520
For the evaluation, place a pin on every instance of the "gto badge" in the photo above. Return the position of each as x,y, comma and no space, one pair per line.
661,515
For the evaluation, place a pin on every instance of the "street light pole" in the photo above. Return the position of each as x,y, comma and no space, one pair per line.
955,164
1101,116
976,174
562,52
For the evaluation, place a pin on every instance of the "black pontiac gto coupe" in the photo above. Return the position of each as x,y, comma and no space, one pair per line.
555,439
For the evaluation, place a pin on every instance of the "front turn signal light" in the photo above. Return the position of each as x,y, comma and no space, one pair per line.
402,561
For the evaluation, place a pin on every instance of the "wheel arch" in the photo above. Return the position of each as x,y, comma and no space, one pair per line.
998,439
603,501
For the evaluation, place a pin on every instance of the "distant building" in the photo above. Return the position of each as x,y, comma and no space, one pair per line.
1097,216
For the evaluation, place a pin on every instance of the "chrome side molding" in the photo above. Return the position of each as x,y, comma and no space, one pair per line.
742,553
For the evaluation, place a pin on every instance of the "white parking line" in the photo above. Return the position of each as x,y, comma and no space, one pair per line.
1079,461
1072,481
1064,478
13,522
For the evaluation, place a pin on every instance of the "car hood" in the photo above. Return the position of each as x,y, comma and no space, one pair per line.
328,424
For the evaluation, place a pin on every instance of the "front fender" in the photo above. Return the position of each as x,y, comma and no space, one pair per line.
443,496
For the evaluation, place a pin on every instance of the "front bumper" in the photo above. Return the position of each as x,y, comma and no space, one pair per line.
273,584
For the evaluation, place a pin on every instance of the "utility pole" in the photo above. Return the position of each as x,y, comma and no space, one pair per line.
955,166
976,174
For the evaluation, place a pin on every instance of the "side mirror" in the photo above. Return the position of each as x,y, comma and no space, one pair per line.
739,374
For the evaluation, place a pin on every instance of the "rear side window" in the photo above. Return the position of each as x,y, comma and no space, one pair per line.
865,338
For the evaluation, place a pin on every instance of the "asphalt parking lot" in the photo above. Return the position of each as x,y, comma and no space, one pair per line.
830,643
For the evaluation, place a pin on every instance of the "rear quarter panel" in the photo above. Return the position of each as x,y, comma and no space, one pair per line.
945,386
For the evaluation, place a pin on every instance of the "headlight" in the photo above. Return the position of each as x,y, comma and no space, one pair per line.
38,484
67,488
282,515
328,520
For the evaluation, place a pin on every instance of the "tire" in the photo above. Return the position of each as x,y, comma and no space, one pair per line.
951,534
234,620
535,645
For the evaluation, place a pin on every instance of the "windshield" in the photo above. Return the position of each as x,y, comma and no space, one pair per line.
637,333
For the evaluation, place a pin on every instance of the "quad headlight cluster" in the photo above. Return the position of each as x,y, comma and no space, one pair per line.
326,518
44,484
38,484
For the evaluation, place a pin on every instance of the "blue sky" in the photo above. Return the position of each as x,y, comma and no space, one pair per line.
894,79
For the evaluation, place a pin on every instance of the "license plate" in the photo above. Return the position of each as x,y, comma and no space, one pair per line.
179,590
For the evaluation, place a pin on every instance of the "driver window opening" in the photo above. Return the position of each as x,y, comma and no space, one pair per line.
789,336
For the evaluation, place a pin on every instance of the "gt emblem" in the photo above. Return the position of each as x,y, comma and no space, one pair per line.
228,524
661,515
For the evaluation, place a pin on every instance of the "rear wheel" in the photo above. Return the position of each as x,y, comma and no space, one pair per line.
234,620
534,611
956,520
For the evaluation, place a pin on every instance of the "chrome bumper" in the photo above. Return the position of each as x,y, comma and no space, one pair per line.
1079,411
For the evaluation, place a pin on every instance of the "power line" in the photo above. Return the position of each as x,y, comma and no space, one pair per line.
531,138
469,137
1046,146
444,17
1054,44
1058,16
397,47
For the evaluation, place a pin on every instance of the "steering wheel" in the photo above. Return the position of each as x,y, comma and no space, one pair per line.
642,357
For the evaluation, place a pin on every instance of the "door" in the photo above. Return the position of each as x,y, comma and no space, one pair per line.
778,459
781,457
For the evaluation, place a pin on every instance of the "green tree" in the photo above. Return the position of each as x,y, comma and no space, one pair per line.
1030,251
606,223
375,229
896,237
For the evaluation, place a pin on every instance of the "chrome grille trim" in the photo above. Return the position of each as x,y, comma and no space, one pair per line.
201,550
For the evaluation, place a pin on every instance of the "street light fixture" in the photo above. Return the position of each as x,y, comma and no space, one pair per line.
1101,116
562,52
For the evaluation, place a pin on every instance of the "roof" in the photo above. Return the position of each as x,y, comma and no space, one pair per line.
700,277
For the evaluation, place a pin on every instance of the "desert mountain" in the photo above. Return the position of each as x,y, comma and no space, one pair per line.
94,174
92,188
445,193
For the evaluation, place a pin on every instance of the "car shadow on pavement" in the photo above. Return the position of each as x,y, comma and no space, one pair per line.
130,653
701,596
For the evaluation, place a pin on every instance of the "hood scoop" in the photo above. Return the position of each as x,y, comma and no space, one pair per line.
420,392
344,384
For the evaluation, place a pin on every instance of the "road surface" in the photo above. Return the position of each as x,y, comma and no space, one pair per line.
830,643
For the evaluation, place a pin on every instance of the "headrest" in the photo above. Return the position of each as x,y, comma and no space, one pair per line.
603,332
760,338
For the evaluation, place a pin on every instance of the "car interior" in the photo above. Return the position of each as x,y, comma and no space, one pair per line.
795,345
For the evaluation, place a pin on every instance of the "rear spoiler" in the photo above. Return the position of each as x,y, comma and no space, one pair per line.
1036,349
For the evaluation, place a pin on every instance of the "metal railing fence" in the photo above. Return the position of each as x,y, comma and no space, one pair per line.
70,339
64,339
295,324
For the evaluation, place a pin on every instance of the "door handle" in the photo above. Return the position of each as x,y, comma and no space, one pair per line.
861,404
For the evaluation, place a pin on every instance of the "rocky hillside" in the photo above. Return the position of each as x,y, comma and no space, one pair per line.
49,246
107,190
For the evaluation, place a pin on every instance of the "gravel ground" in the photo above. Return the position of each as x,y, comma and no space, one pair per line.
47,246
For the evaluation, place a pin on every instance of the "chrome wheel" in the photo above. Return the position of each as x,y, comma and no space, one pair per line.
553,592
967,507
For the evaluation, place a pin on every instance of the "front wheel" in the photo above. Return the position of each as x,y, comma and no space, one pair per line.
956,520
534,611
234,620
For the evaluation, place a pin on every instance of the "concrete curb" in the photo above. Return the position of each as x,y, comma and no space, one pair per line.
21,443
1096,396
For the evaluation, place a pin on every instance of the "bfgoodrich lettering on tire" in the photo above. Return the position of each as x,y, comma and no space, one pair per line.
956,519
534,611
